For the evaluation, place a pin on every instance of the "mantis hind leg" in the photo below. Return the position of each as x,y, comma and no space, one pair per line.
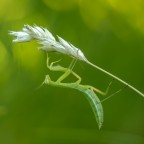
99,91
114,93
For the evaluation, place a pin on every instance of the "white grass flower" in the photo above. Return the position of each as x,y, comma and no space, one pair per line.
47,40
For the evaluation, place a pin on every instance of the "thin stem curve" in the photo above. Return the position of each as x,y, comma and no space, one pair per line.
115,77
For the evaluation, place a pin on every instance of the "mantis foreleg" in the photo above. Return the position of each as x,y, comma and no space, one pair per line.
66,71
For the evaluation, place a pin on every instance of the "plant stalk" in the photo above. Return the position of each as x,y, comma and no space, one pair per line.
115,77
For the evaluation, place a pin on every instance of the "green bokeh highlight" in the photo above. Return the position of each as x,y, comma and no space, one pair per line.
111,35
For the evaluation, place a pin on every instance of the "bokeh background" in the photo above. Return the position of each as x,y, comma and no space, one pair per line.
111,35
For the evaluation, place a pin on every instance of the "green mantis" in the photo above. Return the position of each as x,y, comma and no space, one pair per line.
88,90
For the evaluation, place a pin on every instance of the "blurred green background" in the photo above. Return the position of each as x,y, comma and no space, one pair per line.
111,35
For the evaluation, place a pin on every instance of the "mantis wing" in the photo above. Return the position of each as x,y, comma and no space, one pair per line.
95,105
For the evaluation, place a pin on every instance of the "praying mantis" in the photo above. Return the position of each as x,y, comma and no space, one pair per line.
88,90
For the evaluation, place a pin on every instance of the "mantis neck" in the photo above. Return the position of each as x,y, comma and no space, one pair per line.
115,77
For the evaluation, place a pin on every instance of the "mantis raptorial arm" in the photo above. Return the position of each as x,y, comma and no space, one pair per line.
59,68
